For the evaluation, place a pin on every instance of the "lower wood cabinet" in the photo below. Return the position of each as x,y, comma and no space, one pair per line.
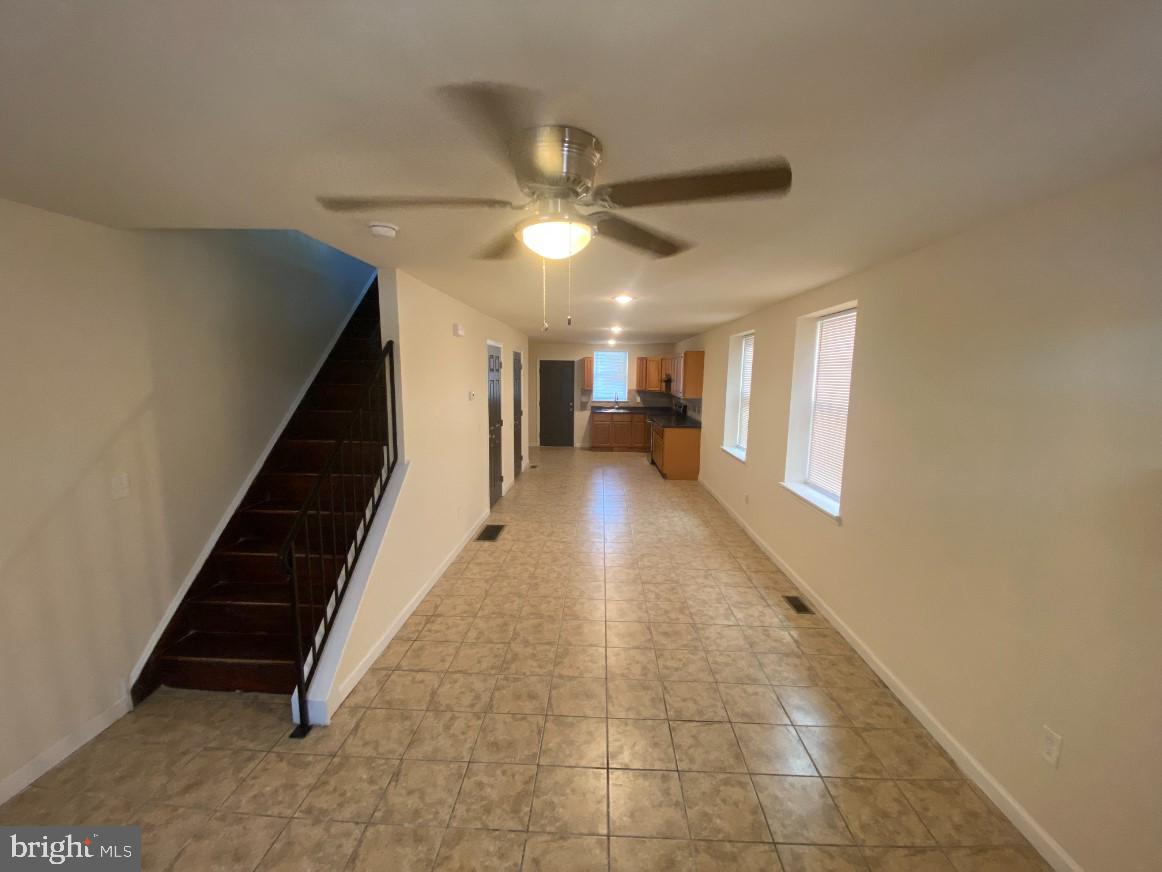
618,431
675,452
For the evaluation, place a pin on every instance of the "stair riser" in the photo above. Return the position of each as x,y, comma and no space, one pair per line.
330,533
239,617
267,569
336,397
217,675
291,490
362,326
347,372
319,424
357,348
311,457
250,618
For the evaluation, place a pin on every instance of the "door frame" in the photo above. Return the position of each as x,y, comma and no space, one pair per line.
572,401
518,424
489,345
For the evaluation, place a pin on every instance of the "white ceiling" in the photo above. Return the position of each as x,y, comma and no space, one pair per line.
903,120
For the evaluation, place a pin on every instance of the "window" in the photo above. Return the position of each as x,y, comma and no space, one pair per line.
738,380
824,351
610,376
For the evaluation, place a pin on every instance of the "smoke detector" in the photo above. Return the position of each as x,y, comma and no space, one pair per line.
384,231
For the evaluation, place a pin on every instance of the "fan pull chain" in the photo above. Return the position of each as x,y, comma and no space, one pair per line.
570,318
544,297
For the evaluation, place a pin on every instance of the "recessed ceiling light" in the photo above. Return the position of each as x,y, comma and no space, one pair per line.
624,299
611,342
615,329
387,231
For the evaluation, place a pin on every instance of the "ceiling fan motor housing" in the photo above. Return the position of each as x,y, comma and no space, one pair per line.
555,161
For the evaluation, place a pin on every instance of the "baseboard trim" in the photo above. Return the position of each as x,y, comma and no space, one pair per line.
204,554
348,684
1037,835
61,749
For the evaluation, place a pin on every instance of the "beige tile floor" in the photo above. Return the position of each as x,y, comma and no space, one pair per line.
616,683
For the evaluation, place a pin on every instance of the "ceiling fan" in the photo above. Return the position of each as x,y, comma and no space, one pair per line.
556,167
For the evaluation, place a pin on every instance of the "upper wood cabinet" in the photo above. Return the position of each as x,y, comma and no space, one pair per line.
680,374
666,364
587,373
690,380
653,374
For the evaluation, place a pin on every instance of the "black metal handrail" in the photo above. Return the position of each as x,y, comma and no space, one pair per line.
328,533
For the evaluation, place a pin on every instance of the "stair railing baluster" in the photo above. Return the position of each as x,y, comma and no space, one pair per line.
367,490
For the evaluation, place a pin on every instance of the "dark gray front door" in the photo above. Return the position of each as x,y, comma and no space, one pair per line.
556,408
495,476
517,416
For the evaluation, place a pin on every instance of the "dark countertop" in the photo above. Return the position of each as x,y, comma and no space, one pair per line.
668,421
663,416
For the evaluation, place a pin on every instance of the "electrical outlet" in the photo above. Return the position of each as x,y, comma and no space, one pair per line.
119,485
746,498
1050,746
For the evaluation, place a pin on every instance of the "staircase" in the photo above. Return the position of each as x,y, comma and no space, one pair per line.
260,609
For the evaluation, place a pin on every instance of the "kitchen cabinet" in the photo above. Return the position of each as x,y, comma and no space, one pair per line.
587,373
679,374
601,431
640,433
621,432
648,372
666,364
691,370
618,431
653,374
675,451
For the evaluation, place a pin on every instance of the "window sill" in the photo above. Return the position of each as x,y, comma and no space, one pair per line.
734,451
816,499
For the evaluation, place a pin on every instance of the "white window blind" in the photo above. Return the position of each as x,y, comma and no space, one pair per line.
744,389
835,349
610,372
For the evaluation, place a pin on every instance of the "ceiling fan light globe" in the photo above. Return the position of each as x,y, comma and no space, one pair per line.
556,239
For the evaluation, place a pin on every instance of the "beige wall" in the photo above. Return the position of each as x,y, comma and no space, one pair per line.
445,446
539,351
1000,552
171,356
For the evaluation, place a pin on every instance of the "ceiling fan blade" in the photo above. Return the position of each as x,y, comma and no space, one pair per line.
758,179
636,235
502,248
495,111
361,204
